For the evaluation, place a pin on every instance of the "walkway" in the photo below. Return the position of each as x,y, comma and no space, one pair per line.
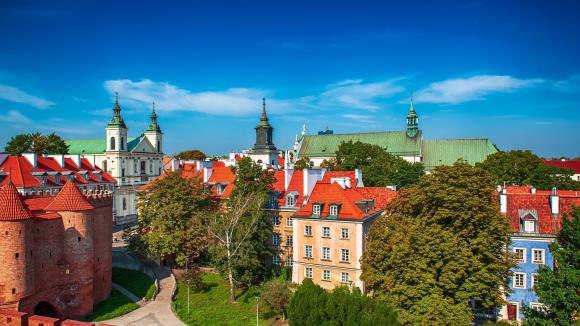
156,312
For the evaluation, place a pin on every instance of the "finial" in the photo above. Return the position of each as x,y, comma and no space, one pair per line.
153,106
116,97
264,103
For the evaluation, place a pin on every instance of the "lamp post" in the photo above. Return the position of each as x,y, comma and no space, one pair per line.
257,310
188,297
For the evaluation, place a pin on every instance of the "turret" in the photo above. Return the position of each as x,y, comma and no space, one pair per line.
153,132
16,243
412,121
116,130
264,132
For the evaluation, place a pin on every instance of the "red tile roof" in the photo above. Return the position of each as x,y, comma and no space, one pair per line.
280,160
566,164
340,174
11,206
69,198
279,181
221,174
382,196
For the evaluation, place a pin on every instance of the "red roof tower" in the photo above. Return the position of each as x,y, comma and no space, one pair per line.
69,198
11,206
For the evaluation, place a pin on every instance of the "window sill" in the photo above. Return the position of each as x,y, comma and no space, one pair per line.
344,238
344,262
325,260
323,280
538,262
309,258
519,288
323,237
309,236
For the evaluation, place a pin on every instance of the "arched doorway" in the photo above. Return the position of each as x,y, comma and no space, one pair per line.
44,308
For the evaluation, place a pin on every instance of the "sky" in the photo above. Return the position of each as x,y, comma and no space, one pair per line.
503,70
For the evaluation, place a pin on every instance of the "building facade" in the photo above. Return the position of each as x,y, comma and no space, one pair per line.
56,251
573,165
132,161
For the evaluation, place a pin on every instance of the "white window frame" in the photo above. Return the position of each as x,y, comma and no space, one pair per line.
308,251
344,251
291,242
326,276
333,210
534,281
342,233
343,279
533,226
290,200
326,254
537,306
307,230
289,222
289,261
523,260
276,220
324,234
308,272
514,280
538,262
316,208
275,239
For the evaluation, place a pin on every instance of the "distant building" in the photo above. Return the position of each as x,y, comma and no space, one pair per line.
132,161
407,144
573,165
535,217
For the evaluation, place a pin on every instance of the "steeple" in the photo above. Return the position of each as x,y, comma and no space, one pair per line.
264,132
412,121
153,125
264,117
117,120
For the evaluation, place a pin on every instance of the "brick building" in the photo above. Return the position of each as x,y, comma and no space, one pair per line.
55,250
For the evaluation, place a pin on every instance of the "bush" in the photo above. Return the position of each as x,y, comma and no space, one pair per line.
277,295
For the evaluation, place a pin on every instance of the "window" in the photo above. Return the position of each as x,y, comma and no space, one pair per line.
326,275
316,209
112,145
290,200
122,144
273,201
275,260
308,251
308,272
345,277
520,254
325,232
538,256
537,306
334,210
344,255
534,279
289,241
325,253
344,233
276,220
519,280
289,261
123,172
289,222
529,226
124,204
307,230
275,239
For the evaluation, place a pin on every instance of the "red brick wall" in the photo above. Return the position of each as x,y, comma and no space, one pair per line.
13,318
16,276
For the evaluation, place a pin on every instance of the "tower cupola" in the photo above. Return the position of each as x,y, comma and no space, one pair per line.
412,121
116,129
264,132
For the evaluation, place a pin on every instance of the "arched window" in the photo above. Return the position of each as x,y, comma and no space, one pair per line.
124,204
158,147
122,144
112,143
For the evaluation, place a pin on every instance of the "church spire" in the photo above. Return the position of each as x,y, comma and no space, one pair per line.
412,121
153,125
117,120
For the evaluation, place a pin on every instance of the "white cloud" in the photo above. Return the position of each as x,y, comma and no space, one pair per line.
14,117
570,85
353,93
459,90
16,95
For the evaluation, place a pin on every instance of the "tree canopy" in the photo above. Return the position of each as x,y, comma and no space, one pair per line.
522,168
171,213
559,289
302,163
379,168
438,246
194,154
36,143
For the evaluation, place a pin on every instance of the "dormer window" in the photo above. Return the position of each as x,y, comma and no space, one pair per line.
316,208
291,199
528,220
334,210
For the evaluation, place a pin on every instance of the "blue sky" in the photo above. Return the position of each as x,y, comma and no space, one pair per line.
505,70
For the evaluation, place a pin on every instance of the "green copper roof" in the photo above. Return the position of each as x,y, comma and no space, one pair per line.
153,125
448,151
95,146
117,121
395,142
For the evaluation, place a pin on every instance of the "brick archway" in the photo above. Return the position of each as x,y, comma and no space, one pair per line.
44,308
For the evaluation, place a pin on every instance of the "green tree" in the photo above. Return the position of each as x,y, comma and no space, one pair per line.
439,245
36,143
194,154
302,163
242,229
545,177
512,167
559,289
277,295
171,213
379,168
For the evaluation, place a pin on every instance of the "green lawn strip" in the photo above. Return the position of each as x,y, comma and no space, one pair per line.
140,284
210,306
116,305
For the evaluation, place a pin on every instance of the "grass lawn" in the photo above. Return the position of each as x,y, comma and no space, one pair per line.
210,306
136,282
116,305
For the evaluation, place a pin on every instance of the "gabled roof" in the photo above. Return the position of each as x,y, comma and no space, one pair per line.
19,172
11,206
448,151
573,165
296,185
394,142
221,174
69,198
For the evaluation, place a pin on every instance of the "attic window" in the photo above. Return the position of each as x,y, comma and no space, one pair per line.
333,210
291,199
316,208
528,220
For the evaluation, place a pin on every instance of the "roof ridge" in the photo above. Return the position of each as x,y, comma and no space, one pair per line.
69,198
357,133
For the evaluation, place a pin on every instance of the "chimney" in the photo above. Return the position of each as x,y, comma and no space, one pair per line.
76,159
503,200
555,202
59,158
359,178
287,177
311,176
533,190
32,158
206,173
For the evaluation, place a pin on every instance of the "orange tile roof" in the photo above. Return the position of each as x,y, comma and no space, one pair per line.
69,198
278,181
382,196
221,174
11,206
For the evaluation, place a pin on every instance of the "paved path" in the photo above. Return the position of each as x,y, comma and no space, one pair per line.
156,312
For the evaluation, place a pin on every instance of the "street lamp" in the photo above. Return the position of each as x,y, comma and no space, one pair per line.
188,296
257,310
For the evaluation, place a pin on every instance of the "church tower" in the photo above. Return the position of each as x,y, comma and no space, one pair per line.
153,132
264,150
116,130
412,122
